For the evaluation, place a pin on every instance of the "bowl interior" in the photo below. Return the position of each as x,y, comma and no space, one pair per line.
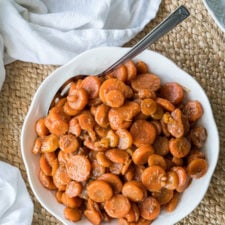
92,62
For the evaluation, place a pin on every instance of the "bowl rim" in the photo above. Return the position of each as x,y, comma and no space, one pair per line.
52,77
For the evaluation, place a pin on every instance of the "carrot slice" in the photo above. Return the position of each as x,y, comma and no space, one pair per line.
171,206
141,67
163,196
146,81
197,168
173,92
193,110
118,206
134,191
154,178
78,168
99,191
148,106
182,177
143,133
179,147
141,154
157,160
150,208
114,98
72,214
131,70
91,85
114,181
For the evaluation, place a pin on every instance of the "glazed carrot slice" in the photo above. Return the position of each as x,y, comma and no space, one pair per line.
93,216
119,73
146,81
125,139
161,145
70,111
78,100
131,70
163,196
68,143
146,93
57,113
117,155
154,178
101,115
114,84
198,136
86,121
158,113
143,133
99,191
40,128
134,191
113,138
56,126
97,169
103,160
120,118
141,67
148,106
58,196
73,189
195,154
175,123
74,202
197,168
166,104
129,175
72,214
45,166
171,206
101,131
134,214
91,85
78,168
193,110
172,180
158,160
74,127
149,208
49,143
141,154
182,177
118,206
37,146
114,181
114,98
74,86
179,147
46,181
173,92
61,178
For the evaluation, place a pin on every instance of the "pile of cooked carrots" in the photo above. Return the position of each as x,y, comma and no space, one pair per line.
121,146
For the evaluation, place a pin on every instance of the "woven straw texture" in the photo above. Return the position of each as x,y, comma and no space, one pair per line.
197,46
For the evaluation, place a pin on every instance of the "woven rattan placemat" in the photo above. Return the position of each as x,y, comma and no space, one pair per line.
197,46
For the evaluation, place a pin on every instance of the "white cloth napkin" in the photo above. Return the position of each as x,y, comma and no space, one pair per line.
16,206
53,32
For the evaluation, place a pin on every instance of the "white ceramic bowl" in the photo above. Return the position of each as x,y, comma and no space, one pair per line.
92,62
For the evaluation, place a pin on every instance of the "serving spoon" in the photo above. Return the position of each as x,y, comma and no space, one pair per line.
160,30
